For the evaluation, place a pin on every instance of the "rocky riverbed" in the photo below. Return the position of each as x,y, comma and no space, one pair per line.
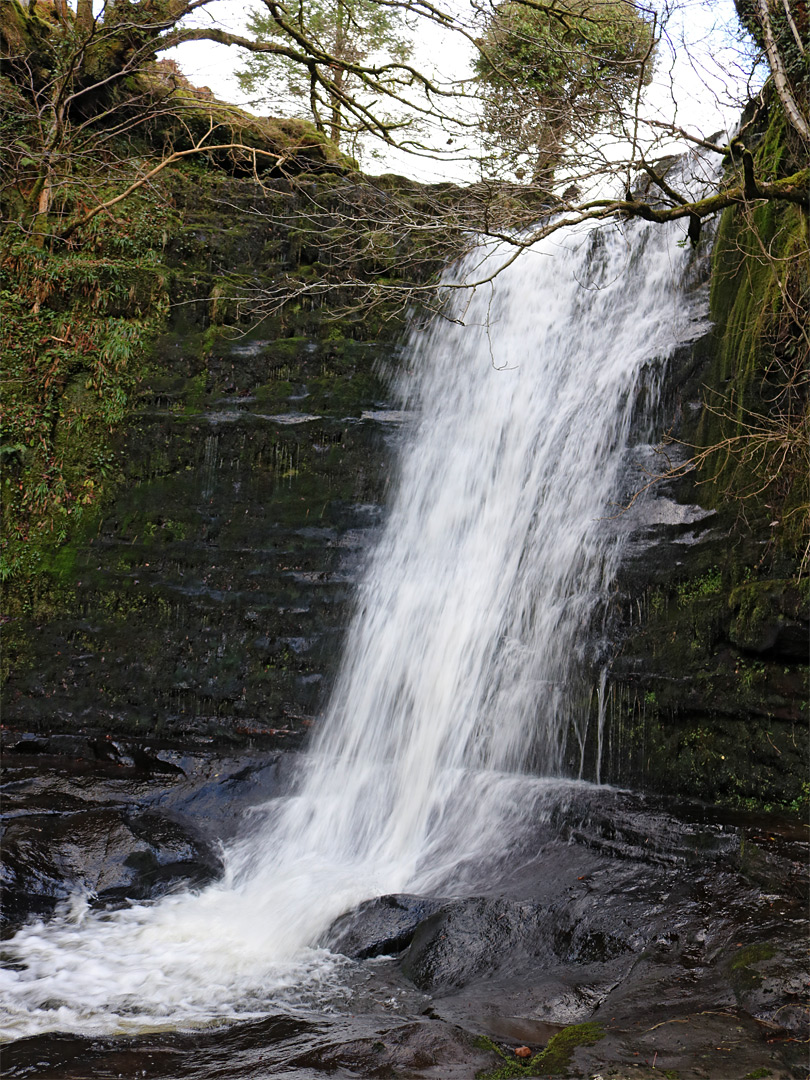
678,930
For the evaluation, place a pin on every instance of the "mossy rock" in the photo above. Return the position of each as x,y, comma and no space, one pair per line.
553,1061
770,616
745,975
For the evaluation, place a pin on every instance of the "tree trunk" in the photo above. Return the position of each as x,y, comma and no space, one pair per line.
84,17
779,74
336,112
41,217
338,75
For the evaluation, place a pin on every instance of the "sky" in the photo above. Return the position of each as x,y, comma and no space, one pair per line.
700,78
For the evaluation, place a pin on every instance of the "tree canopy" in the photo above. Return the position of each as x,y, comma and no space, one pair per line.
91,114
550,78
554,72
347,32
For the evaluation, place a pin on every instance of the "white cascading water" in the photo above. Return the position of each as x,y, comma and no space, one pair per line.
460,667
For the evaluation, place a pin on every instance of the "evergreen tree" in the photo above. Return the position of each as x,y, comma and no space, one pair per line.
548,72
341,34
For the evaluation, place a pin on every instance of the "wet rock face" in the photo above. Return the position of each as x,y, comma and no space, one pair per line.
659,930
109,855
623,909
677,933
705,641
375,1046
679,930
211,598
475,937
447,944
379,927
132,824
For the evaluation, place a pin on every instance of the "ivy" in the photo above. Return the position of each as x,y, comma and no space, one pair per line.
76,331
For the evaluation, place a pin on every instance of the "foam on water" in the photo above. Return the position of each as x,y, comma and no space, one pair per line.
461,667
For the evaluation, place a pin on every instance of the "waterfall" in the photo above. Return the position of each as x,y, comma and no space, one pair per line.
462,672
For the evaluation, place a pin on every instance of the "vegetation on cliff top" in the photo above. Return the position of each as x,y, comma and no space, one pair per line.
86,70
91,125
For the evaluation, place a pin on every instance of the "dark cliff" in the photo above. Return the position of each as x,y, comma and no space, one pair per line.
223,472
199,588
707,686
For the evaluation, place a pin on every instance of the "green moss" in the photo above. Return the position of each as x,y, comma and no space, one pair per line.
194,393
744,974
756,415
741,298
77,328
760,607
708,584
553,1061
344,395
692,737
751,954
275,394
291,348
757,1074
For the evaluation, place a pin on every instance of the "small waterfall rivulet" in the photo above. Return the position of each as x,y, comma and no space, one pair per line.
459,680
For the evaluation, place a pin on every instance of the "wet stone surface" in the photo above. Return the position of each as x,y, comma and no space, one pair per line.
680,929
380,926
705,637
132,824
106,853
210,596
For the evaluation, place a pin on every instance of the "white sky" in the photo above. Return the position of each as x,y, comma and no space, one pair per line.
700,78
